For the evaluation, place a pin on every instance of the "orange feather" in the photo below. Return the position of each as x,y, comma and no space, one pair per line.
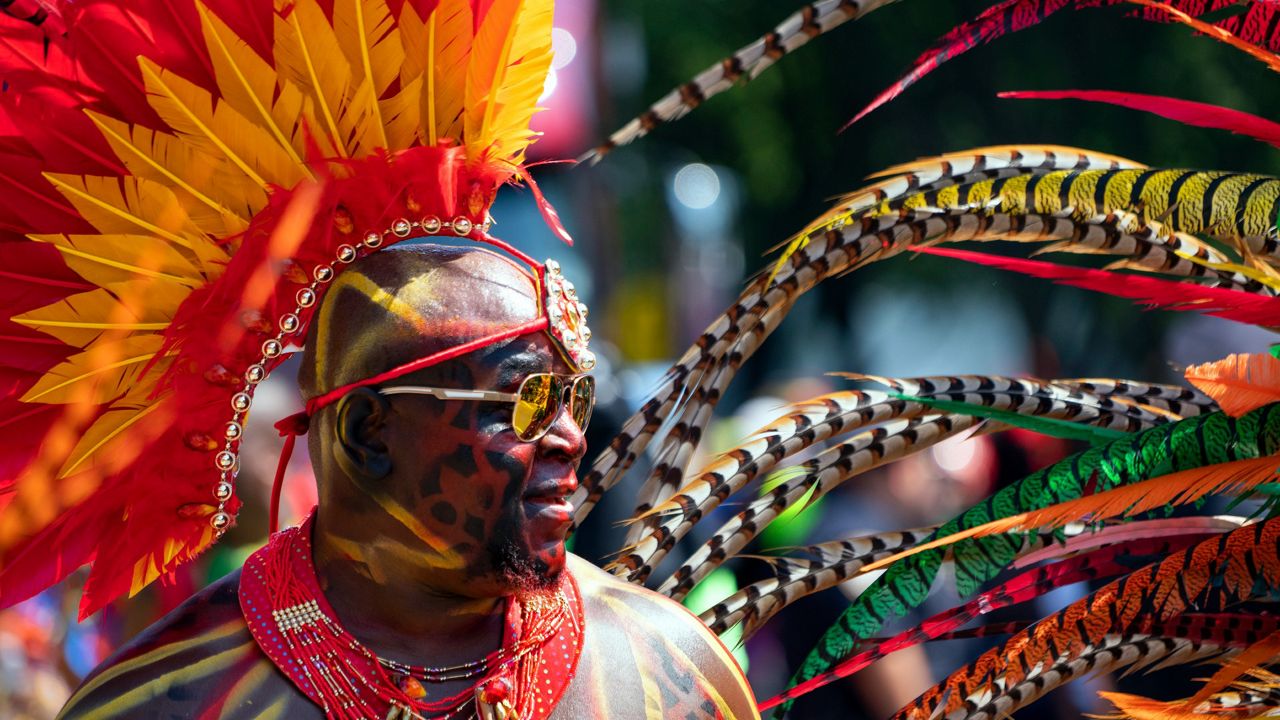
1239,383
1177,488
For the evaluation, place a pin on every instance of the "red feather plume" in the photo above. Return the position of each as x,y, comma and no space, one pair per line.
1154,292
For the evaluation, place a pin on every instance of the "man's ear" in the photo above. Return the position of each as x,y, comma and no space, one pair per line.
360,449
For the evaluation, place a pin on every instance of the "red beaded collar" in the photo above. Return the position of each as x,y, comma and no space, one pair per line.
295,627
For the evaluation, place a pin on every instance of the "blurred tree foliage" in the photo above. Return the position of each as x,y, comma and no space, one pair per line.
779,134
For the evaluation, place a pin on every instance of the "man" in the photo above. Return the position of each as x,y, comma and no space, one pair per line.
432,515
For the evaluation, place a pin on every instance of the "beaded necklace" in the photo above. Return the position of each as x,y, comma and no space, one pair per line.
296,628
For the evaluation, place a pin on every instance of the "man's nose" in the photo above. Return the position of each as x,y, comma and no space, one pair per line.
564,438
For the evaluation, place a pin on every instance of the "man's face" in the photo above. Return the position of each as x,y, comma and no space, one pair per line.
440,493
499,503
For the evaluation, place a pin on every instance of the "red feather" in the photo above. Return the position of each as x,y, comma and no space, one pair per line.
1235,305
1014,15
1022,588
1184,111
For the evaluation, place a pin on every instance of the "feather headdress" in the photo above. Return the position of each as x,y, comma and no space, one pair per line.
169,243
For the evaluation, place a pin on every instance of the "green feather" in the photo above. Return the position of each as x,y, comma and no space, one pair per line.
1045,426
1193,442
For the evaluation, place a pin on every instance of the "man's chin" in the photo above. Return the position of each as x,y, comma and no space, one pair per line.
525,570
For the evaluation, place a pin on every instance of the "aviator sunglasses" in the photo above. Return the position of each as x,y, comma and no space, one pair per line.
538,401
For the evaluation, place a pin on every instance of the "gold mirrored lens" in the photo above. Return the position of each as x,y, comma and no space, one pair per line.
583,400
536,406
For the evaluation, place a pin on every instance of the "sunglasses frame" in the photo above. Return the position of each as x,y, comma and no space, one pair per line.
571,382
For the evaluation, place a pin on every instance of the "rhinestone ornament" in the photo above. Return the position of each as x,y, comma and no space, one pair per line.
432,225
401,228
567,317
272,348
323,274
240,402
233,431
306,297
461,225
289,323
346,253
222,492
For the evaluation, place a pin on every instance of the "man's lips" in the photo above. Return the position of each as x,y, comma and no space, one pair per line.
551,491
550,500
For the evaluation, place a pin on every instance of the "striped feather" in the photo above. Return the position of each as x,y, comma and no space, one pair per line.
1194,442
1230,568
799,28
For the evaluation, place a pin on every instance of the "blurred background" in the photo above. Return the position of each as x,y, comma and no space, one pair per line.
668,229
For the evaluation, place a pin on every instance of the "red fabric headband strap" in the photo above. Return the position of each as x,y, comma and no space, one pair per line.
298,423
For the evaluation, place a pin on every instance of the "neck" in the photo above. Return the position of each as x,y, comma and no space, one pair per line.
397,616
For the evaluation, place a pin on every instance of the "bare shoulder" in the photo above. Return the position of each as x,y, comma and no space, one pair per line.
198,661
677,659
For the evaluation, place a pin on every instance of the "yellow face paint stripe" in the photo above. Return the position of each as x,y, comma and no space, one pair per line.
358,282
634,619
214,634
201,668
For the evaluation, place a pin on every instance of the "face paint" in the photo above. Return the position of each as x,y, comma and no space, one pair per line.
498,503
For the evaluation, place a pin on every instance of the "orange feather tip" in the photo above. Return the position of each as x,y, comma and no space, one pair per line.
1240,382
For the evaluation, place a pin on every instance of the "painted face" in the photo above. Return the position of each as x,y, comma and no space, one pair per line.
499,503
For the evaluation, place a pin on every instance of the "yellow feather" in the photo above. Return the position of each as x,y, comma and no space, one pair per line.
101,374
413,35
452,29
403,115
81,318
523,82
108,259
218,206
307,53
115,430
127,205
489,55
217,128
371,42
249,84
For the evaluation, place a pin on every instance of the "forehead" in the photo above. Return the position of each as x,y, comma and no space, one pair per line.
506,364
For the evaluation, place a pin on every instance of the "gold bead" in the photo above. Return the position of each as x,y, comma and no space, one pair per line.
323,273
220,521
272,348
401,227
346,253
233,431
225,460
372,240
240,402
222,491
461,226
306,297
289,323
432,225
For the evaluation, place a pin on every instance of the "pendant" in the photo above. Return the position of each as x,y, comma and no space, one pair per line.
493,700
